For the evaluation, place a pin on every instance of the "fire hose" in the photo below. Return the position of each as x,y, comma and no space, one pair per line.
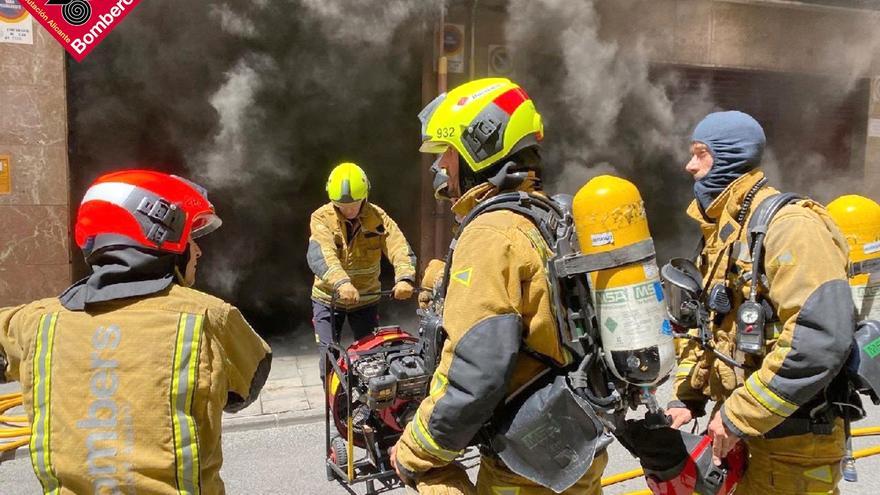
11,427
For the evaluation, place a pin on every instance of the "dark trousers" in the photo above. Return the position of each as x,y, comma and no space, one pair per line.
362,322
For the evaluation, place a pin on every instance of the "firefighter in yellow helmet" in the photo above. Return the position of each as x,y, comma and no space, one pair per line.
126,374
349,236
779,309
859,219
501,329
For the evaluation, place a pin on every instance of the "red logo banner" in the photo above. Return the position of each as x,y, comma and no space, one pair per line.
79,25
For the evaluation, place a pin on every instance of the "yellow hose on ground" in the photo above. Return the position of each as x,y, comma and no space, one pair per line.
867,452
635,473
867,431
8,401
14,432
621,477
4,447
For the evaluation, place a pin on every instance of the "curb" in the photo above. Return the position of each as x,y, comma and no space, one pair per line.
19,453
271,420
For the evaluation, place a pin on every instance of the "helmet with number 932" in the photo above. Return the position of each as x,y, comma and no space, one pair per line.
485,121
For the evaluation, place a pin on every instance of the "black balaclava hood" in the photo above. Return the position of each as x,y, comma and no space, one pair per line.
736,141
123,271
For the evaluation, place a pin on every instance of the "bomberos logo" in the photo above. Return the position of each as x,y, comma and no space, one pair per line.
79,25
75,12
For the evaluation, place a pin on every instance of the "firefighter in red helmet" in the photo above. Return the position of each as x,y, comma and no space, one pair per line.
125,374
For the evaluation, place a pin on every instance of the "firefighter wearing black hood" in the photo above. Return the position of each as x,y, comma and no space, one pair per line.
126,374
774,399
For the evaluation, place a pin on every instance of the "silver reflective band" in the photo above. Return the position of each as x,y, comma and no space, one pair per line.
41,454
867,266
183,384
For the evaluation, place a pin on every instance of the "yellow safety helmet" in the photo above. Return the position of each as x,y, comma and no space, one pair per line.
859,219
347,183
485,120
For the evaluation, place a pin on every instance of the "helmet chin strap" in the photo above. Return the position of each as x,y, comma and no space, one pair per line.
507,179
181,278
516,169
180,267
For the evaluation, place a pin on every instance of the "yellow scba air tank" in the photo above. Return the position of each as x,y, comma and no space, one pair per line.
609,215
859,220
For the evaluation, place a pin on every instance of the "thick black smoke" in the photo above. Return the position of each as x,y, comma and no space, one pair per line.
608,109
258,100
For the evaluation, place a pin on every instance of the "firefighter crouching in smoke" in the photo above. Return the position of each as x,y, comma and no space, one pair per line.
497,315
859,219
774,399
126,374
349,235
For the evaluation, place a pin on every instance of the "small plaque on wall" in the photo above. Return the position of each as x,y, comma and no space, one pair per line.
5,174
16,24
873,127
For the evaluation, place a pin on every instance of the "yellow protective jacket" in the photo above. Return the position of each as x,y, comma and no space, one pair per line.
498,297
805,265
128,396
335,258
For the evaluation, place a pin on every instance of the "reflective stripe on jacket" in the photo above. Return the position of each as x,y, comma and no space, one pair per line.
335,260
498,296
128,397
805,264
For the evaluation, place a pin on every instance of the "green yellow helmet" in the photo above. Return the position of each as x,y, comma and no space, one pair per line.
485,120
859,219
347,183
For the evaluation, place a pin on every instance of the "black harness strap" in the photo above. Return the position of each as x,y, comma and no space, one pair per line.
758,225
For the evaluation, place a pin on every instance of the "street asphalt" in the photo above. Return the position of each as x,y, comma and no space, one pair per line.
276,446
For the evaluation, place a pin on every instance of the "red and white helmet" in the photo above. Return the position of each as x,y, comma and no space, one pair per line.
144,208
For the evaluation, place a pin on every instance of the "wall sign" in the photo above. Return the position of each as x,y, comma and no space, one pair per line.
16,24
5,174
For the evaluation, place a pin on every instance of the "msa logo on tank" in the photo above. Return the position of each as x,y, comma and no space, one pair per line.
867,301
110,438
632,306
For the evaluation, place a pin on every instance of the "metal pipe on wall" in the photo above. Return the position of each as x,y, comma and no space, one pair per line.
473,29
440,210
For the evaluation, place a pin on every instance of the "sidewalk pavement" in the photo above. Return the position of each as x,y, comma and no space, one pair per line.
293,393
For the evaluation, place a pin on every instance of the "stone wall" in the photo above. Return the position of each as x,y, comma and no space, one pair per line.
872,147
746,34
34,217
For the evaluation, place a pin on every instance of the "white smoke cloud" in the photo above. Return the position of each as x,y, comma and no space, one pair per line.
226,163
356,23
232,22
604,112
